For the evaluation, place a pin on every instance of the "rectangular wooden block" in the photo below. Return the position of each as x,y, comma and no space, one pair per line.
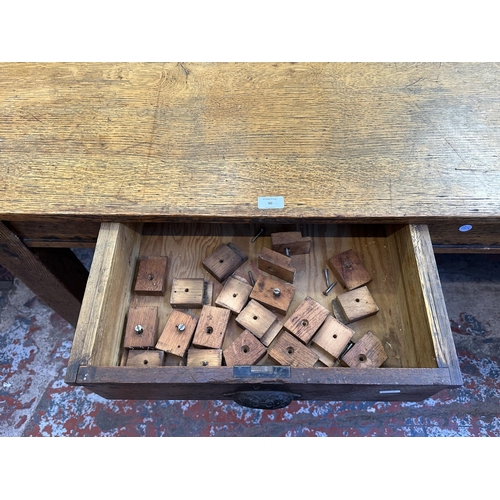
349,270
256,318
368,352
332,337
224,261
151,276
204,357
234,295
276,264
145,359
356,304
190,293
293,240
244,350
272,333
266,291
141,327
177,334
306,319
289,351
211,327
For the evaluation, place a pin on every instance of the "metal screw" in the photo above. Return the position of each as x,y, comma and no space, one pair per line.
277,292
257,235
329,289
139,329
150,277
250,275
181,327
287,251
327,278
205,363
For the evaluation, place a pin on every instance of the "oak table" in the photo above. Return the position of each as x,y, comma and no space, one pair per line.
82,144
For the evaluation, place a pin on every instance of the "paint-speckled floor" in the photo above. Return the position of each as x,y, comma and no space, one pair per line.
34,401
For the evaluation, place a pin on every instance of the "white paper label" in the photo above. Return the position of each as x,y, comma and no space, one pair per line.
269,202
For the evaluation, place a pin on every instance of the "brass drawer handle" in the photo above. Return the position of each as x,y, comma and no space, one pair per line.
263,400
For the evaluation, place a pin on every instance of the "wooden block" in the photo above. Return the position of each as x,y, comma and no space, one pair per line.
264,292
349,270
368,352
211,327
151,276
287,350
306,319
244,350
357,304
145,359
177,334
224,261
272,333
140,331
256,318
204,357
332,337
324,358
293,240
191,293
276,264
234,295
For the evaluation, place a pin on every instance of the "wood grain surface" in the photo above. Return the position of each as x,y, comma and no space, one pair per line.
364,142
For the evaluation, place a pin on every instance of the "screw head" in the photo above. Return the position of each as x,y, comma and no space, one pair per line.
205,363
150,277
181,327
139,329
277,292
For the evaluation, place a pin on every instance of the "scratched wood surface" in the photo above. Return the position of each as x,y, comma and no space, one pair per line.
354,141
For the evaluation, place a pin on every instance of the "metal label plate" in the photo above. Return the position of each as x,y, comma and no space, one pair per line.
261,372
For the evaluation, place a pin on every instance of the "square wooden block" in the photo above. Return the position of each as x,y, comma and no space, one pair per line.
234,295
293,240
368,352
145,359
177,334
224,261
190,293
306,319
332,337
211,328
256,318
141,327
356,304
349,270
244,350
272,333
289,351
276,264
151,276
272,293
204,357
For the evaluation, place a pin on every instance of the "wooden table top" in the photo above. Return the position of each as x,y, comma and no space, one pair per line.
352,141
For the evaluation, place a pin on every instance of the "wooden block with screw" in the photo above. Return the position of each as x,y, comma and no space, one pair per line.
306,319
354,305
287,350
151,276
256,318
211,328
141,327
145,359
234,295
204,357
244,350
332,337
291,240
276,264
349,270
191,293
177,333
368,352
272,293
224,261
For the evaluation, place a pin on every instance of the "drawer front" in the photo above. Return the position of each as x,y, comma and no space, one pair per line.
465,236
411,323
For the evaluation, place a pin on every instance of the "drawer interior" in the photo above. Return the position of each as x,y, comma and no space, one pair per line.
404,323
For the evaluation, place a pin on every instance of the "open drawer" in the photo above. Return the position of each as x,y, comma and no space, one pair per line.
412,322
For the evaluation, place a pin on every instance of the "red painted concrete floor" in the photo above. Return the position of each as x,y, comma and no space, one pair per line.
34,400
